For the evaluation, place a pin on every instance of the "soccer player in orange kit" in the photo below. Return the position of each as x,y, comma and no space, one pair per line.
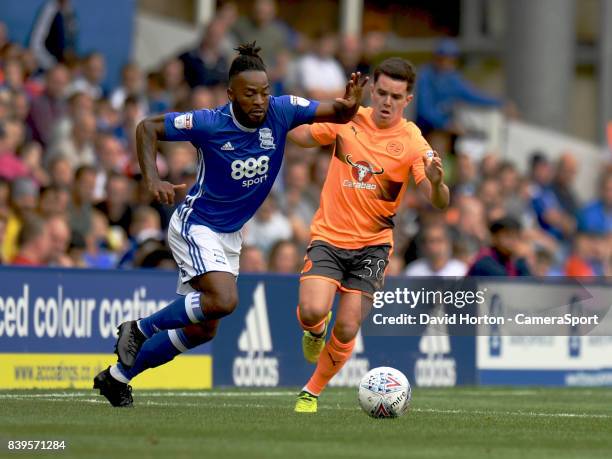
351,233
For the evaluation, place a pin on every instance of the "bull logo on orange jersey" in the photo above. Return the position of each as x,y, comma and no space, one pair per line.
362,170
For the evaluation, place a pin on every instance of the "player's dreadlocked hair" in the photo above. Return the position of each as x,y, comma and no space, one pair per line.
248,59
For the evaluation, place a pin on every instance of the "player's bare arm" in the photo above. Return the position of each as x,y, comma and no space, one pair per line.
343,108
302,136
434,187
148,132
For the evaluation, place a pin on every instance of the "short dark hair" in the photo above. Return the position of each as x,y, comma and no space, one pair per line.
398,69
248,59
505,223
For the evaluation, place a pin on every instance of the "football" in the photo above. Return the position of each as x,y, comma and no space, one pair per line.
385,392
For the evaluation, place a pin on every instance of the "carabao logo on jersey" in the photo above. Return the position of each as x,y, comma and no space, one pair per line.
362,172
354,368
437,367
254,368
266,139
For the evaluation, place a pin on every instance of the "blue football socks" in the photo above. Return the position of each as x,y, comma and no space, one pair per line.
181,312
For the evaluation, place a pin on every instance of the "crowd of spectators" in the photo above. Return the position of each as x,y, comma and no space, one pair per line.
71,194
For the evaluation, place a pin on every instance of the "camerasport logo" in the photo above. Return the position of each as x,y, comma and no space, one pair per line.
255,368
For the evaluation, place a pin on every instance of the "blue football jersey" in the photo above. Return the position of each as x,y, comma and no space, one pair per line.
236,165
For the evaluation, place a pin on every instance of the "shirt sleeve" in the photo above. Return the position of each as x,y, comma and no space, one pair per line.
324,133
297,110
419,147
188,126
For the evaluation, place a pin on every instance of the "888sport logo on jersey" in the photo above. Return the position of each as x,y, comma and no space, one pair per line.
252,171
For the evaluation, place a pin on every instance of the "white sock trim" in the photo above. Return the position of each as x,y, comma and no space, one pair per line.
176,341
190,303
306,389
116,374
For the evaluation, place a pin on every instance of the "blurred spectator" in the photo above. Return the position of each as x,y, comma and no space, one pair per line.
54,36
61,171
112,159
175,87
252,260
117,205
550,215
207,64
159,99
145,226
202,97
96,253
31,156
132,84
267,227
318,74
436,255
154,254
596,217
284,258
81,206
54,200
489,193
270,34
23,200
543,264
13,74
350,55
79,104
563,184
34,242
466,176
50,106
11,166
93,69
5,196
79,147
501,258
441,87
294,201
582,260
59,234
471,231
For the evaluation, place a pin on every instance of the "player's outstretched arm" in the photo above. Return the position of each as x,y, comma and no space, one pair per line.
148,132
302,136
343,109
434,187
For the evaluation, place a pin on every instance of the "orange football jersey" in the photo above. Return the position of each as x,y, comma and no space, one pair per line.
366,180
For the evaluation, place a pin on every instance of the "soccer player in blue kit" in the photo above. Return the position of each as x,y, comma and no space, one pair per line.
240,149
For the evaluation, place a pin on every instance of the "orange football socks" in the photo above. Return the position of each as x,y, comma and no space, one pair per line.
332,359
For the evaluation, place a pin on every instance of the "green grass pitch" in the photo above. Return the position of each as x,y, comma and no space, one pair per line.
230,423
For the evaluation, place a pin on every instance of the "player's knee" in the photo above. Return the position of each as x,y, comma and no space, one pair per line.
311,313
346,332
219,304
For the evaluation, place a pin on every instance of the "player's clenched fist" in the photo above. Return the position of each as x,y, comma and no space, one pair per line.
164,191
